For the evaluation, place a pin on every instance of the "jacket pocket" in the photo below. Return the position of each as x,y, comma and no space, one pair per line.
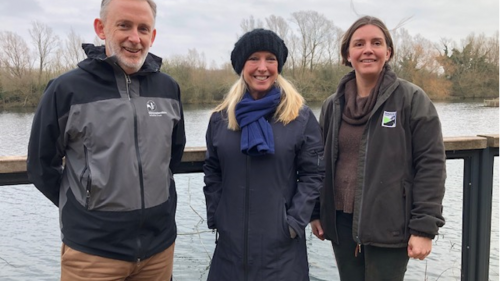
316,156
216,218
284,223
86,178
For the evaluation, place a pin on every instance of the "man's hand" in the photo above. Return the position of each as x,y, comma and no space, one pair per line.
418,247
317,229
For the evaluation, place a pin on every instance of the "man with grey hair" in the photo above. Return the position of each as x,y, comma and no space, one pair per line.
118,123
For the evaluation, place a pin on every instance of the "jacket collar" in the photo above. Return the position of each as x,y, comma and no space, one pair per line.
96,55
389,82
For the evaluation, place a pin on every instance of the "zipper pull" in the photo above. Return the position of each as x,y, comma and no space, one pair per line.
127,78
87,198
357,250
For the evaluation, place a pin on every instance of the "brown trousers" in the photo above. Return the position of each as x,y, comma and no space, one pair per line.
78,266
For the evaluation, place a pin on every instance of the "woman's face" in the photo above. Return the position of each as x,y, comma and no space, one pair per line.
260,72
368,51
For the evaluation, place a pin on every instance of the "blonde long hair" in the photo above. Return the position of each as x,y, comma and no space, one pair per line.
288,108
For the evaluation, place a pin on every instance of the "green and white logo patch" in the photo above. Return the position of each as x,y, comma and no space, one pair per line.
389,119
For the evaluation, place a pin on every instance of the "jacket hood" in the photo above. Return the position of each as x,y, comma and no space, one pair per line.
96,55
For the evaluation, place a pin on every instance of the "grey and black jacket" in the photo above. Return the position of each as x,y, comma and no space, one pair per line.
254,201
121,137
401,169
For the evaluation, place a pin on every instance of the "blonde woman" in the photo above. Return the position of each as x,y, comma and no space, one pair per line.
264,168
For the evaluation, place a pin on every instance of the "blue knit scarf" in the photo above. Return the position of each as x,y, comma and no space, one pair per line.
256,132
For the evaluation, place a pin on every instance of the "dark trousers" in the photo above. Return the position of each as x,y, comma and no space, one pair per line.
373,263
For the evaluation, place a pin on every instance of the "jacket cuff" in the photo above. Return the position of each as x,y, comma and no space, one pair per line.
422,234
315,215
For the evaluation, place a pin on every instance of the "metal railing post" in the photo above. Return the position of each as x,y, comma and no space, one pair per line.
484,197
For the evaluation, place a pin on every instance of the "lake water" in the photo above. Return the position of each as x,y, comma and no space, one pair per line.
29,232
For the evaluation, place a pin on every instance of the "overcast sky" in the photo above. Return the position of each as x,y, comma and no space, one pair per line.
212,26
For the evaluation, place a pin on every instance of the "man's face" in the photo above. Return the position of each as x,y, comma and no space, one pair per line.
128,30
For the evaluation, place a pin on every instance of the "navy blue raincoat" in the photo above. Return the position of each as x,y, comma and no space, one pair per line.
254,201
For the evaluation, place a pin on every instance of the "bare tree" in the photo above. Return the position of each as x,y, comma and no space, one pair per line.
16,61
73,49
196,60
493,46
45,43
59,65
313,29
250,24
278,25
293,53
403,43
332,46
15,56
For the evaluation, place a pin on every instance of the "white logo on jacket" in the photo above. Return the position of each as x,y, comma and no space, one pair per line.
389,119
151,106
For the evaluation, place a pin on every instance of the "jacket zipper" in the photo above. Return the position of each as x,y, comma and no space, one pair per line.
358,239
139,164
337,121
405,213
245,235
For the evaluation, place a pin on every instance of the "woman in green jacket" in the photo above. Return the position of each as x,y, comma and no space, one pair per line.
381,203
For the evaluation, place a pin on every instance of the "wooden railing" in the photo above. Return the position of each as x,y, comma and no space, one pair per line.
13,168
478,153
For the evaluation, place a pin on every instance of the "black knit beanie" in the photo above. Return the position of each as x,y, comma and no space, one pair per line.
255,41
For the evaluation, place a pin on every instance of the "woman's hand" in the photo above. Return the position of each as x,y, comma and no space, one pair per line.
418,247
317,229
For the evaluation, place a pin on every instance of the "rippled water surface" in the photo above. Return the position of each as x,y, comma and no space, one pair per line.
29,231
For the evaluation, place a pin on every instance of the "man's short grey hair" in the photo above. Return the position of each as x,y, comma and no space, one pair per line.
105,5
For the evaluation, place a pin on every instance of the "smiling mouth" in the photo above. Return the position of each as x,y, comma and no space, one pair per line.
261,78
132,50
368,61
